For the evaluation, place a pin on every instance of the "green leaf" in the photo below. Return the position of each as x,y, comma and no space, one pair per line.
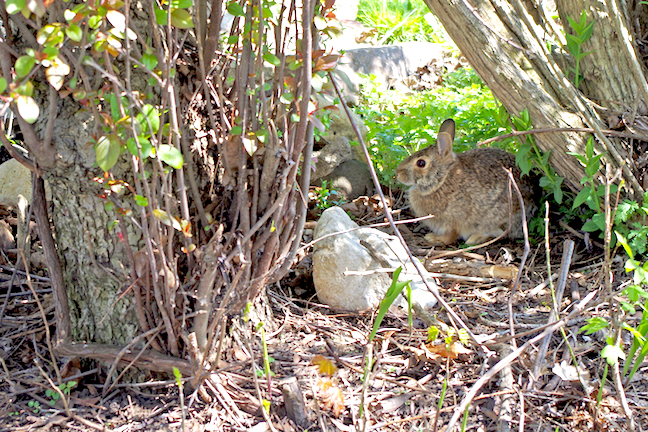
593,325
612,354
590,226
181,4
141,201
180,18
624,243
149,61
272,59
235,9
581,197
107,149
558,193
392,293
287,98
625,210
27,108
74,32
3,84
14,6
24,65
161,16
148,115
171,156
236,130
145,145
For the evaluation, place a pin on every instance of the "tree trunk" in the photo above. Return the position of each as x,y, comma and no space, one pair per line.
92,257
507,42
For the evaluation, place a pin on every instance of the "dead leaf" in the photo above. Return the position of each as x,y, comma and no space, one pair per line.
451,351
331,395
324,365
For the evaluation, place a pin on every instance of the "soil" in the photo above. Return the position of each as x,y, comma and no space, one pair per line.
316,353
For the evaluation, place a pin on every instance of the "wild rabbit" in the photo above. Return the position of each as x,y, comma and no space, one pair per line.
467,193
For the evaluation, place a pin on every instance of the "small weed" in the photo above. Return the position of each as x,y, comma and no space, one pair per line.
325,197
65,388
583,32
34,405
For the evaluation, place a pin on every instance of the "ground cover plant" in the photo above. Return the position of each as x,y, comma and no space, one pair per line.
400,21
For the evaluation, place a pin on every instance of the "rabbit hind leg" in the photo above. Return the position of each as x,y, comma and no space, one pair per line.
449,237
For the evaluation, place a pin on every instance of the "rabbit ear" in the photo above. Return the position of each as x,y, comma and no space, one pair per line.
448,126
444,145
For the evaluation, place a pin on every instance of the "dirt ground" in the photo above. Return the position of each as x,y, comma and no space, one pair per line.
316,381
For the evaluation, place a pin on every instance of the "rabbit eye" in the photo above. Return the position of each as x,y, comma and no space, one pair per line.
420,163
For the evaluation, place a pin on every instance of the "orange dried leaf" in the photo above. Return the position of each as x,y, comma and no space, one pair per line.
452,351
331,396
325,366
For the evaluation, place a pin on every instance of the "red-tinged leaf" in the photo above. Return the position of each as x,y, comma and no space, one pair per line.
186,228
192,247
324,365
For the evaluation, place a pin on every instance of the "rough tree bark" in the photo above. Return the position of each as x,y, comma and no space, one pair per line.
518,49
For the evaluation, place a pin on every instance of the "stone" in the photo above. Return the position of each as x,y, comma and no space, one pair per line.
388,63
340,126
337,151
351,179
15,179
335,255
7,240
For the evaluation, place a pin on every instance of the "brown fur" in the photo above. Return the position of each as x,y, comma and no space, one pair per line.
468,193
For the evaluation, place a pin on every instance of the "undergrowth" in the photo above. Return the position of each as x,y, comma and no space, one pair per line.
402,123
400,21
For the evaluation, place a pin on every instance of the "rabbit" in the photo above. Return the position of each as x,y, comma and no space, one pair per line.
467,193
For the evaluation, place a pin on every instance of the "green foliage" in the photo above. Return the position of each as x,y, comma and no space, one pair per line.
529,155
34,405
54,395
326,197
390,296
400,124
583,32
400,21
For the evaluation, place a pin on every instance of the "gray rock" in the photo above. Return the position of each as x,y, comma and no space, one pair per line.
389,63
335,255
15,179
352,179
337,151
340,126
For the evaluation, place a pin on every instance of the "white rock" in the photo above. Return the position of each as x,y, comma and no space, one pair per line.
335,255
